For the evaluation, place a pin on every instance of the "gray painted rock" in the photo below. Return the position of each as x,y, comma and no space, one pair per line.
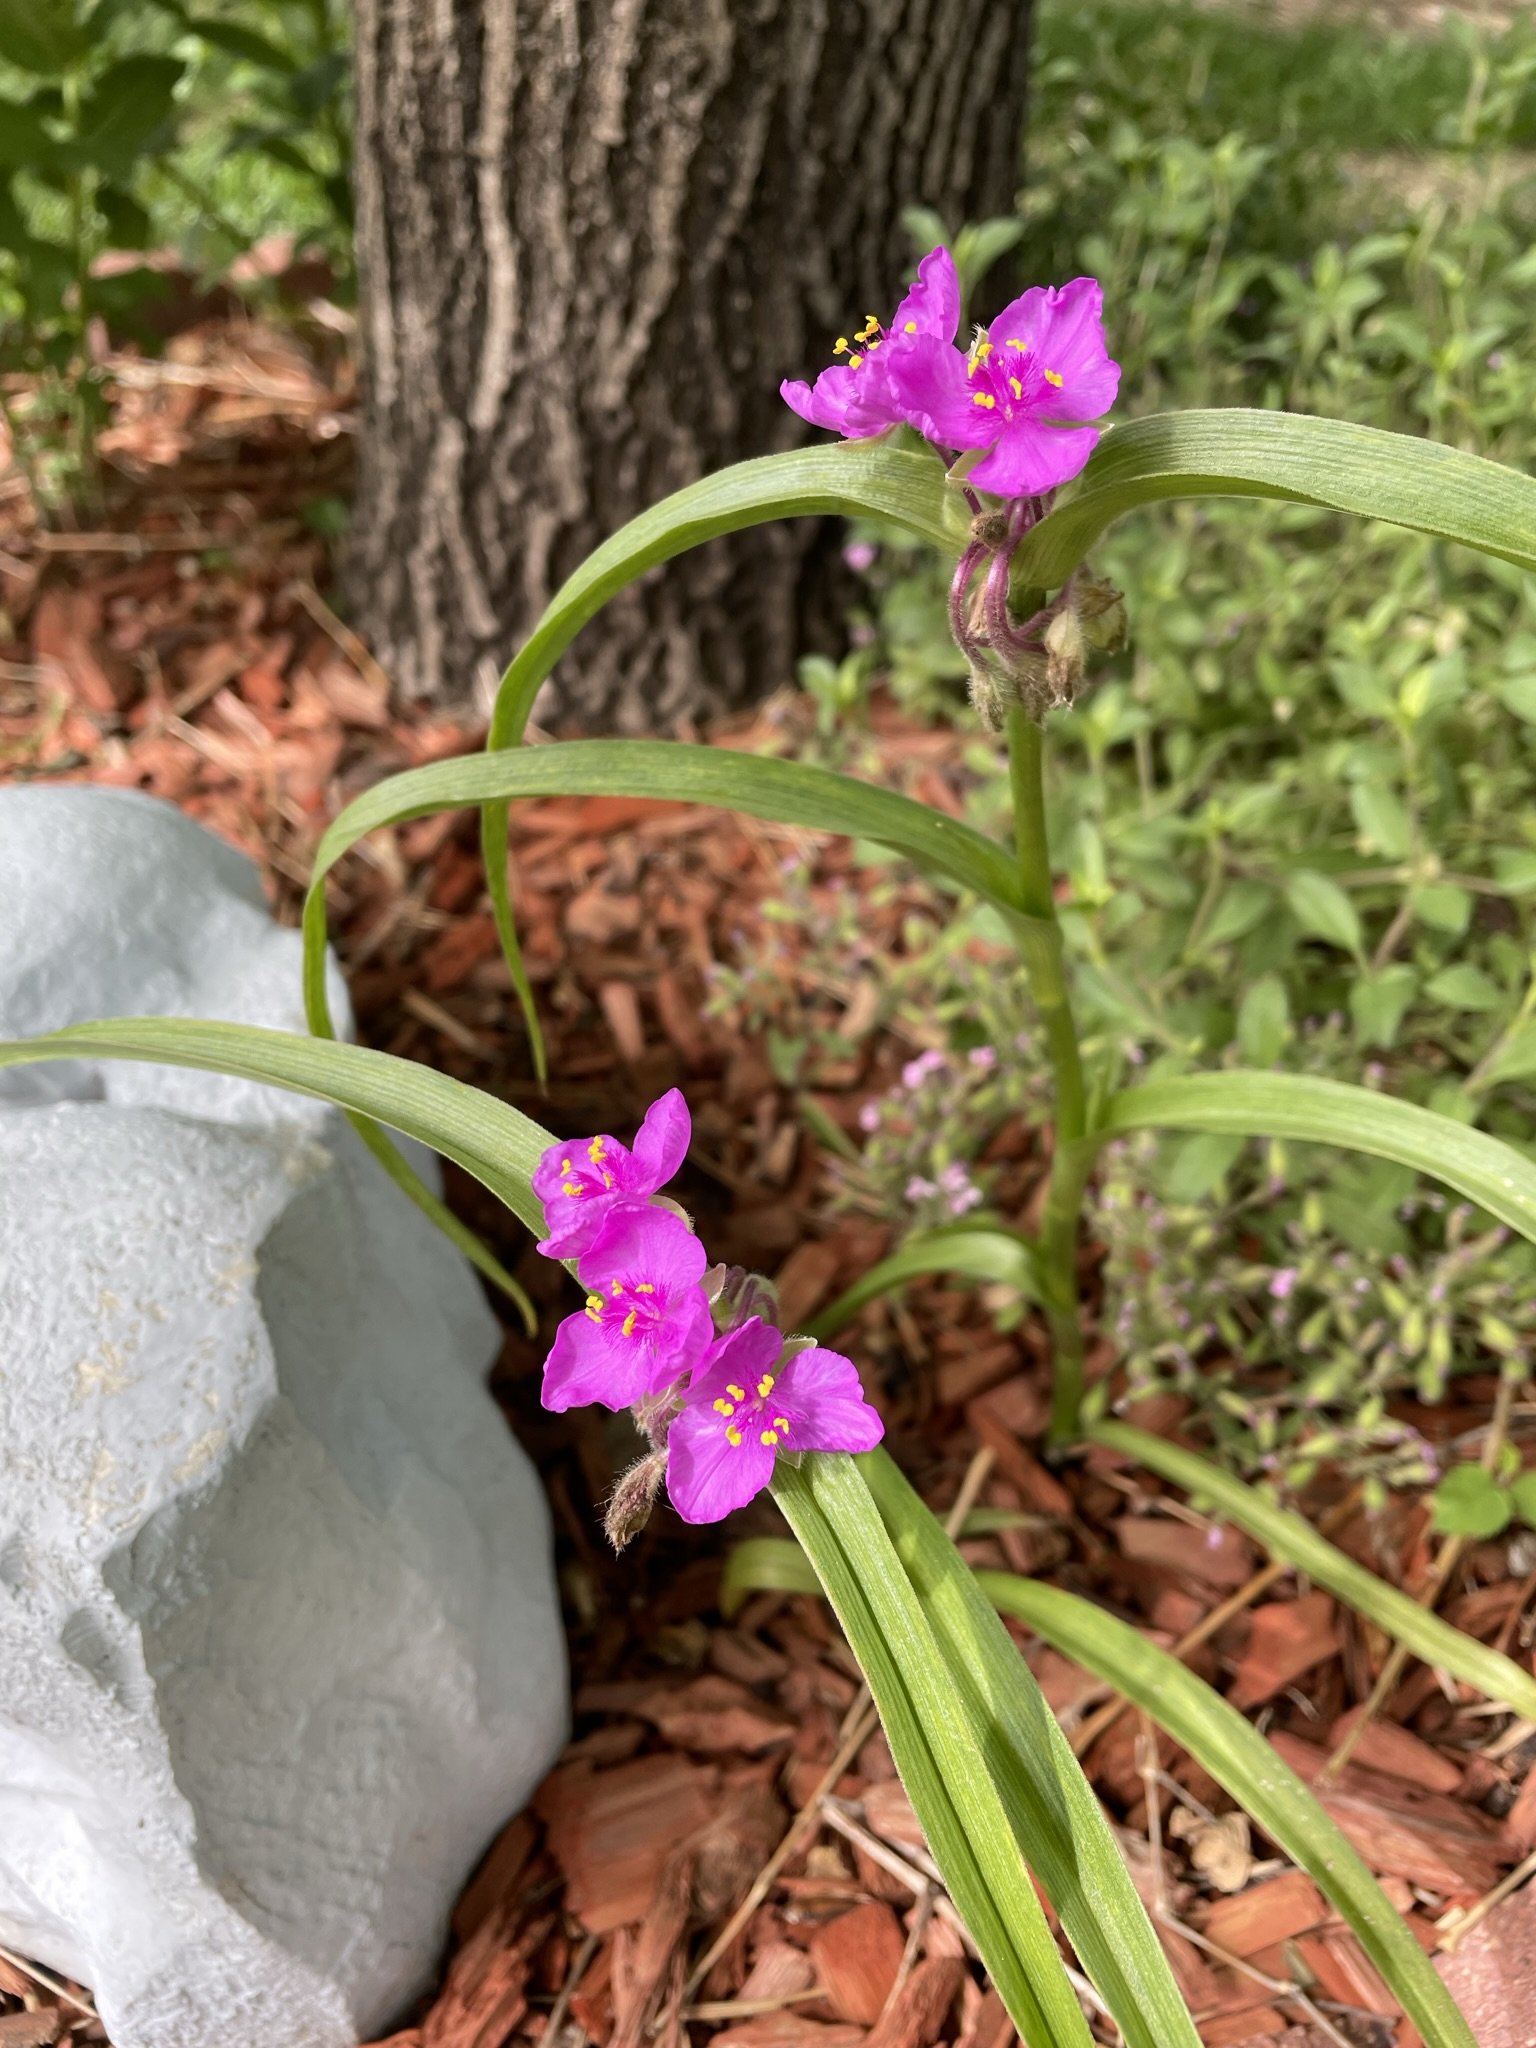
279,1642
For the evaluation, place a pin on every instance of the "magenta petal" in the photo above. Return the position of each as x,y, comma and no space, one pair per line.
587,1364
1062,330
743,1354
820,1393
707,1475
639,1240
932,306
662,1141
928,380
842,400
1032,457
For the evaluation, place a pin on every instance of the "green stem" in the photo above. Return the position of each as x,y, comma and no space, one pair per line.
1041,947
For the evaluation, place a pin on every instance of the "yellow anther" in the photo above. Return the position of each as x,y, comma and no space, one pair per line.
840,346
983,398
726,1408
736,1393
644,1287
595,1150
616,1289
570,1187
768,1437
910,328
627,1327
854,362
594,1308
733,1438
765,1386
1013,341
1015,387
566,1166
978,356
594,1301
780,1424
1054,377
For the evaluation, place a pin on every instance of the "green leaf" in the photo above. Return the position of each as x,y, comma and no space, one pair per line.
1465,987
240,42
1442,906
1468,1503
1264,1021
23,138
1379,1002
944,1758
1518,694
1323,910
1382,818
1056,1818
764,1564
41,36
124,109
1287,1536
1522,1494
1240,907
1515,1060
1362,470
1485,1170
1238,1758
792,792
495,1143
1200,1164
995,1257
856,480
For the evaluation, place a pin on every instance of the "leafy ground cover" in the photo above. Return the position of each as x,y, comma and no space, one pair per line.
724,1853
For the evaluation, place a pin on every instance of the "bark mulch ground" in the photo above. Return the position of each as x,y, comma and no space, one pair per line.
724,1852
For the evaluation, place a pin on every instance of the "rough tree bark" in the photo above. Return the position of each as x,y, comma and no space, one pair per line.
592,237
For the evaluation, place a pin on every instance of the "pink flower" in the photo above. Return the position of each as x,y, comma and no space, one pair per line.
582,1182
747,1403
1041,368
646,1321
855,398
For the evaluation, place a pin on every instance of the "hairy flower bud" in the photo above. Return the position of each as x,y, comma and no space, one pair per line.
633,1498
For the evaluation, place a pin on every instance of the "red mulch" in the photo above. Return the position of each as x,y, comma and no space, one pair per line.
183,648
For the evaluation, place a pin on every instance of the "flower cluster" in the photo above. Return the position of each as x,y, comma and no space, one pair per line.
1019,397
715,1385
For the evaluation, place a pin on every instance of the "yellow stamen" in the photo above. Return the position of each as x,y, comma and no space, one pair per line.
566,1167
854,362
768,1437
780,1423
733,1438
840,346
910,328
736,1393
644,1287
983,398
569,1187
1015,387
594,1308
978,356
726,1408
1013,341
616,1289
627,1327
1054,377
595,1150
765,1386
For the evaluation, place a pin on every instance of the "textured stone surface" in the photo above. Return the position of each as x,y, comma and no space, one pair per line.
279,1642
115,905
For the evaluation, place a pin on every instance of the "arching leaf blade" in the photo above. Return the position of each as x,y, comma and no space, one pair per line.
1263,1784
937,1750
1366,471
983,1252
489,1139
1301,1106
1288,1536
1055,1815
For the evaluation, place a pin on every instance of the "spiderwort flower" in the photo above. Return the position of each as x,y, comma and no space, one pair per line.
646,1322
1020,393
582,1182
748,1402
855,398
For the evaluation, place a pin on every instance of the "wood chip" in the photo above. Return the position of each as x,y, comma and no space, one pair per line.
713,1714
613,1832
788,2029
1217,1556
1492,1974
1276,1910
857,1957
1383,1746
1286,1638
31,2029
918,2017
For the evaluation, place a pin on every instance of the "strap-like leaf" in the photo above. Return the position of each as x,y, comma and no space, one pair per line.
1363,470
1056,1817
978,1252
1484,1169
943,1755
489,1139
1286,1535
1238,1757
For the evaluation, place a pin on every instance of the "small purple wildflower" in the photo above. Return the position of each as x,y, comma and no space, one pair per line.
916,1071
748,1402
1282,1282
869,1117
961,1192
860,555
1023,393
855,398
983,1058
646,1321
582,1182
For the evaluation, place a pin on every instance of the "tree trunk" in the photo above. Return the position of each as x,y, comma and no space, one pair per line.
593,235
